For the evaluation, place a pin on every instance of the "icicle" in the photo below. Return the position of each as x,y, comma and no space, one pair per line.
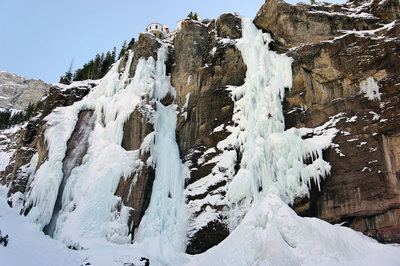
270,155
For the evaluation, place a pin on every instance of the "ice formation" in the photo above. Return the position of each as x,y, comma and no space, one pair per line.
166,216
273,172
271,156
264,229
370,88
88,204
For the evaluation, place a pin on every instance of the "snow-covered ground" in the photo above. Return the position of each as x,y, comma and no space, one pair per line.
253,243
264,229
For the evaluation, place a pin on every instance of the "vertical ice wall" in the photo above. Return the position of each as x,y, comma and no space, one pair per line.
89,206
164,224
271,156
77,148
265,230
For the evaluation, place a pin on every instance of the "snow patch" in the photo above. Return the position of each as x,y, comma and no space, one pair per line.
370,88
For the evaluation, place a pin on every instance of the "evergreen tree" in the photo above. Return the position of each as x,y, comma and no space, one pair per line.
29,111
123,50
108,61
131,43
114,54
194,16
4,118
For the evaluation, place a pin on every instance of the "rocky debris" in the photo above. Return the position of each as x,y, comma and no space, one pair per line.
17,92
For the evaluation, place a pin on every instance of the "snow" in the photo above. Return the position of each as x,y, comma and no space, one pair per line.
264,229
270,155
165,219
351,15
273,234
351,119
27,244
375,115
370,88
76,84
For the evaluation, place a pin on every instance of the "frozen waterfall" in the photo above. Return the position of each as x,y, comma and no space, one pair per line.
264,229
75,200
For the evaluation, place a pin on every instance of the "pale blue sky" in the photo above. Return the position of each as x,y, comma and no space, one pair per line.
39,38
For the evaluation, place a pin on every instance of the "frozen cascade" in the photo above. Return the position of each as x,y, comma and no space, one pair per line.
77,148
270,155
88,206
88,203
164,224
266,231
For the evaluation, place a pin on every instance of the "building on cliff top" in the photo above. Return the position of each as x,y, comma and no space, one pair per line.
158,30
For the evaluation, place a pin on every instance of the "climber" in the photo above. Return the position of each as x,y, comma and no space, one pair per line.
269,115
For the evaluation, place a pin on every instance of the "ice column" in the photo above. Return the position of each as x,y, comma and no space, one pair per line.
166,216
270,155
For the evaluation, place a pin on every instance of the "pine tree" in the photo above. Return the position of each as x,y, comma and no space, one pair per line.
29,111
108,61
114,54
131,43
97,67
123,50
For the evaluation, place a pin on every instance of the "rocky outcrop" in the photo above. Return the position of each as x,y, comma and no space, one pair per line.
206,63
145,47
135,191
301,24
17,92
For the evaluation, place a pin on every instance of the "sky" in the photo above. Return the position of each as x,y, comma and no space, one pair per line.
40,38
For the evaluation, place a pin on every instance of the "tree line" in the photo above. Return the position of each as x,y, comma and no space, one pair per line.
9,118
97,67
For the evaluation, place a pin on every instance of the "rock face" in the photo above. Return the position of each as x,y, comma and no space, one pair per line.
300,24
345,76
31,138
363,189
200,76
17,92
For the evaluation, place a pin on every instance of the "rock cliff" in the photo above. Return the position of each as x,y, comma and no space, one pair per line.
17,92
329,85
345,76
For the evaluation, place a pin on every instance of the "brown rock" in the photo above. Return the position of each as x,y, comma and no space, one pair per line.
204,67
135,191
297,25
363,189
